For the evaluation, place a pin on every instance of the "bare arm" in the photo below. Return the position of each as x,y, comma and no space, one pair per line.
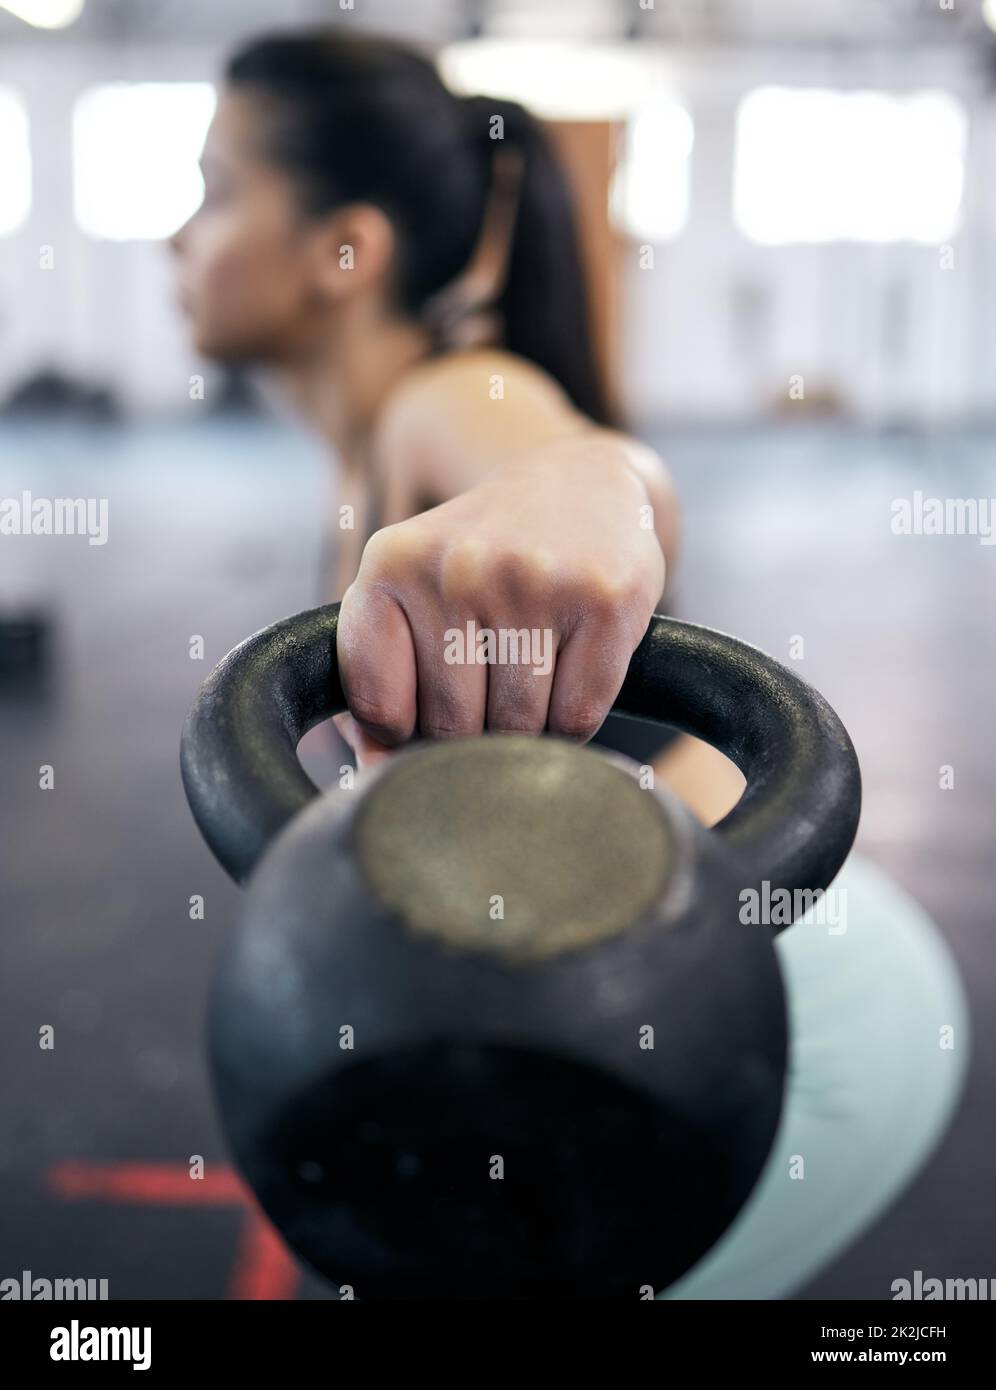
543,522
446,430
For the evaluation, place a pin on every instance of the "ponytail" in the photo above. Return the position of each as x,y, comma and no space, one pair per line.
544,304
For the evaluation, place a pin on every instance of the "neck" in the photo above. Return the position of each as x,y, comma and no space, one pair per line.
343,378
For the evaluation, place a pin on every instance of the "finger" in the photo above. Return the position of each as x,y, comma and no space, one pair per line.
520,682
377,663
368,751
348,728
452,681
591,667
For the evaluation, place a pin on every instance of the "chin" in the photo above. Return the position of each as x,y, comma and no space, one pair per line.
223,350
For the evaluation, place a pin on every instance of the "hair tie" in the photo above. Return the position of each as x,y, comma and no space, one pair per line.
462,313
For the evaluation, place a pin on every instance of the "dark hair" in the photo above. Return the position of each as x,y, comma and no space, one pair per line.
358,118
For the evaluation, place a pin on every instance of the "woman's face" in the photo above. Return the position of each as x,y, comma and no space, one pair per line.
246,258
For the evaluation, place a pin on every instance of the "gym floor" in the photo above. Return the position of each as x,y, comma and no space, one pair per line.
215,530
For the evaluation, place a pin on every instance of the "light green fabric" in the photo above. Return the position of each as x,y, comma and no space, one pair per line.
870,1089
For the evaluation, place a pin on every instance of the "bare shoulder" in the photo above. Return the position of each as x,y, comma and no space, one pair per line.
452,419
473,376
467,410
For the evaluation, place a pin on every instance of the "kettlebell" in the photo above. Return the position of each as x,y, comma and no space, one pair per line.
494,1023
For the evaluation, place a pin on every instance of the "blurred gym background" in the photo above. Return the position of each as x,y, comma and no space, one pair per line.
788,211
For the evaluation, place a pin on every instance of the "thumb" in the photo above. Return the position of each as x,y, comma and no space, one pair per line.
368,751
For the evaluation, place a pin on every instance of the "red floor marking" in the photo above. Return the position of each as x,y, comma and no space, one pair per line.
263,1267
159,1184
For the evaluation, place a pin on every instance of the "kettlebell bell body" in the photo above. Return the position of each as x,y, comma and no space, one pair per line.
491,1024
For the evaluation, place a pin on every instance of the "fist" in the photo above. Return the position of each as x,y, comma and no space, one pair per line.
514,607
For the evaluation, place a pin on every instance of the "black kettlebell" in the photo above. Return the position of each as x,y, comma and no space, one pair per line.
492,1025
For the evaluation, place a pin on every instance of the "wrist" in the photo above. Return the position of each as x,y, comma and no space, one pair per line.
596,459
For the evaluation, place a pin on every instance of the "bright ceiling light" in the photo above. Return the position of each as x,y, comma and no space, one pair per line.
555,79
45,14
989,13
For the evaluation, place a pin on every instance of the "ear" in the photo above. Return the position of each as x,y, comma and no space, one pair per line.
353,250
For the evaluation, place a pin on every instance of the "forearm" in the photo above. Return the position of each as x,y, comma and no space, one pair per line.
448,434
561,530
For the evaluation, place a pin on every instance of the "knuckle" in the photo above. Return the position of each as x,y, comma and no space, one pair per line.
610,594
529,564
521,716
580,720
447,713
447,726
472,566
388,552
374,712
465,567
621,602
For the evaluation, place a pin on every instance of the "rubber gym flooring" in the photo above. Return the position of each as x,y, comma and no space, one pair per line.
215,531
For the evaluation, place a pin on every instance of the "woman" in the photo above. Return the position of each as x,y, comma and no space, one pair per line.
406,262
414,281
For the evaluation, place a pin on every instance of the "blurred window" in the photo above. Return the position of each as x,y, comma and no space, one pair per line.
650,191
814,165
135,152
558,80
15,161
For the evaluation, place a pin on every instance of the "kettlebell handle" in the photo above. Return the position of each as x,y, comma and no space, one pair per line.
793,826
